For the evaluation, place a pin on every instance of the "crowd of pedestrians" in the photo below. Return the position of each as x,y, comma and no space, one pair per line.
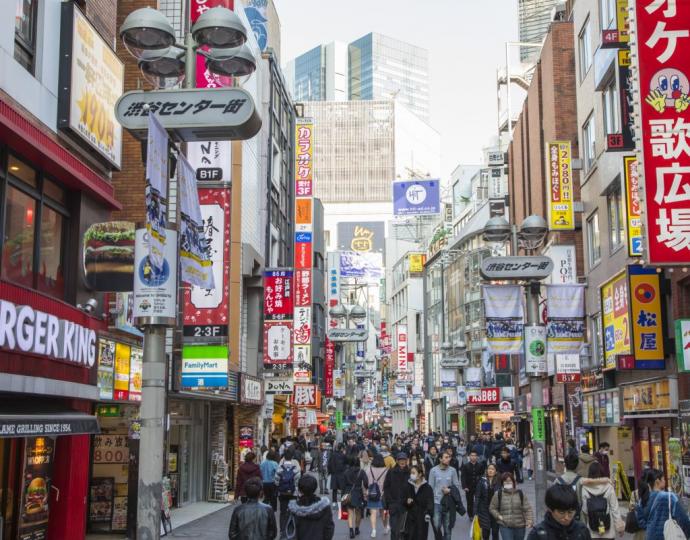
412,484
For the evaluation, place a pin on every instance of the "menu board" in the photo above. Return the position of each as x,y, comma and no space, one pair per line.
119,521
106,363
136,358
101,494
34,508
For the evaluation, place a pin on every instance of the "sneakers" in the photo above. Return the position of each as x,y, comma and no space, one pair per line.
387,530
373,533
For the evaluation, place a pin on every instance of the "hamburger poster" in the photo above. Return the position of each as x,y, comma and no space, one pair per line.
38,466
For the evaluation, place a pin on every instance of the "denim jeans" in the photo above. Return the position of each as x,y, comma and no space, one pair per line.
511,533
442,522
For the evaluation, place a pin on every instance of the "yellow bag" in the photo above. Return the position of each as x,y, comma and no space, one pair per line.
476,529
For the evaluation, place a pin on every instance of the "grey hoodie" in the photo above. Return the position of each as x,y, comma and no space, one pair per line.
606,489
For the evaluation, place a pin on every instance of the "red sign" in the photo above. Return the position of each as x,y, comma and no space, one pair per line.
277,342
329,365
484,396
278,294
206,310
303,288
303,255
305,395
204,78
401,334
567,377
663,41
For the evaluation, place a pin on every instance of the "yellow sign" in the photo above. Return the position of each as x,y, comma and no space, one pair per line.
615,318
122,354
622,21
417,261
646,316
633,208
647,396
560,177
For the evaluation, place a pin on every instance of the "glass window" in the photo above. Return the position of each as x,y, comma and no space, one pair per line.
21,171
593,240
18,242
614,204
585,49
610,109
597,359
589,143
25,33
607,13
50,276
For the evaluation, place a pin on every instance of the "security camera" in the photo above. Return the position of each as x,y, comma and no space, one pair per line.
89,307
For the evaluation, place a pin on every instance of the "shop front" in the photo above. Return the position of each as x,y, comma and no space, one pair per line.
684,471
650,409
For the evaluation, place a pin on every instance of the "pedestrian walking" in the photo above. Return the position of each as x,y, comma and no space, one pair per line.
322,458
487,486
394,494
586,459
571,479
511,509
441,479
506,464
660,506
247,469
431,460
600,505
602,456
353,493
470,475
311,514
268,468
559,521
419,504
288,474
252,520
376,478
528,460
337,464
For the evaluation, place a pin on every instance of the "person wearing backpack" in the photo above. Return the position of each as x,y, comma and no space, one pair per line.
600,505
560,521
571,479
287,475
662,515
511,509
310,516
376,477
252,520
356,486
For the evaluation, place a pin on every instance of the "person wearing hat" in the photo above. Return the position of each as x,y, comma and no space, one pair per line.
394,489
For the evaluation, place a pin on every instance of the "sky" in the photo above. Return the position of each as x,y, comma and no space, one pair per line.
466,43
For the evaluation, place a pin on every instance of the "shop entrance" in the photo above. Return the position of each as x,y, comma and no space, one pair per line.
651,448
11,451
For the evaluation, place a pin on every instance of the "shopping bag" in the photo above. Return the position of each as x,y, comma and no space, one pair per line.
475,530
342,511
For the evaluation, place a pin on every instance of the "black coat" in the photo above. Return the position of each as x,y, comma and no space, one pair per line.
429,463
485,491
550,529
506,467
416,526
252,521
395,488
470,474
336,468
314,518
355,485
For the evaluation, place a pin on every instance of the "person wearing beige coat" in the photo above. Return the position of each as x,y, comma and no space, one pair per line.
511,509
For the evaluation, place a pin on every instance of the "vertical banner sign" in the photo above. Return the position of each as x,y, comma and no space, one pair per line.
662,40
206,310
204,78
401,333
538,425
615,319
560,175
277,343
504,318
329,366
565,309
646,317
303,287
35,485
683,345
278,294
535,350
156,191
633,210
155,289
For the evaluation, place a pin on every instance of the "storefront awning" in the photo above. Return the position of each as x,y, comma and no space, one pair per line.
47,424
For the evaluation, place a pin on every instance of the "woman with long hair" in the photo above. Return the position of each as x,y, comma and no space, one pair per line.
353,493
660,506
376,475
488,485
419,504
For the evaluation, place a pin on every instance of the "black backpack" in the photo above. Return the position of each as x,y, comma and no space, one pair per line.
286,485
573,485
374,491
598,517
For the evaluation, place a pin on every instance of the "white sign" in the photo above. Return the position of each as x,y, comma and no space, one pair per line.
29,330
155,291
505,406
252,389
279,386
278,344
211,160
535,349
401,333
302,363
338,383
462,395
448,378
269,406
302,326
567,368
201,298
564,265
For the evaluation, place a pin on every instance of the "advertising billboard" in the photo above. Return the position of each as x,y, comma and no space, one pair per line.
278,294
646,317
633,211
362,236
615,319
416,197
560,178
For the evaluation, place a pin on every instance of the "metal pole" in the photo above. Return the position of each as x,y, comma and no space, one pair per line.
150,496
189,61
508,89
536,387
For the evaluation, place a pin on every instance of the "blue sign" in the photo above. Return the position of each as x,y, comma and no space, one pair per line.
361,265
416,197
302,237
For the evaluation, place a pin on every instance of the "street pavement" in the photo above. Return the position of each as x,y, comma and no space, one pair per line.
215,526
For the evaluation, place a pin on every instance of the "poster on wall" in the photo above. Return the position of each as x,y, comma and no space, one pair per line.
101,494
615,319
121,386
246,437
35,488
136,366
106,367
560,178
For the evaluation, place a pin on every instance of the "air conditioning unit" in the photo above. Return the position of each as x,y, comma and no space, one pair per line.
558,12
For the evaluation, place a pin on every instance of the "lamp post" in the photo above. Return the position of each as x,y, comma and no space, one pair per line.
451,352
529,236
149,37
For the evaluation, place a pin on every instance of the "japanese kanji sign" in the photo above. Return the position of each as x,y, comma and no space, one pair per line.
615,319
632,208
305,395
560,177
303,288
329,366
646,317
277,343
498,268
278,294
662,38
302,334
304,149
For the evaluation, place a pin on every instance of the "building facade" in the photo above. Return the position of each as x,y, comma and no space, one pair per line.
534,18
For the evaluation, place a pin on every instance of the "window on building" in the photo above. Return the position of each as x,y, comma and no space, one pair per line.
614,204
593,240
25,33
34,229
597,350
609,101
585,49
607,14
589,143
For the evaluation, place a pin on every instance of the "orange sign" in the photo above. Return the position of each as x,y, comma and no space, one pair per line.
303,210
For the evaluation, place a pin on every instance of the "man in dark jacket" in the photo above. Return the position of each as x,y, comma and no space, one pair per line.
497,447
506,464
247,469
470,474
312,515
602,457
559,521
394,490
252,520
336,468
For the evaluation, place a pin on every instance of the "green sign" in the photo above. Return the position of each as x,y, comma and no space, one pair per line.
683,345
108,410
538,426
462,424
338,419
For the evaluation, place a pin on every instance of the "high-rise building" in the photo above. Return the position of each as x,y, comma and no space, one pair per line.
373,67
534,17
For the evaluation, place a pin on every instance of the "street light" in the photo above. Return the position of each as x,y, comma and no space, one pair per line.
531,234
149,37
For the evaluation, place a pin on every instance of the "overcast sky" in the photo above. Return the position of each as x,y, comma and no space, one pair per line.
466,43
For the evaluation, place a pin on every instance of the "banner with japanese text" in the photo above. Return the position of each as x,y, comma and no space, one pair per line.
662,40
560,178
329,366
646,317
156,190
278,294
615,319
633,212
504,318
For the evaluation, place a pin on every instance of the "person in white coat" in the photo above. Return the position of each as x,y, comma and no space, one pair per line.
606,522
528,460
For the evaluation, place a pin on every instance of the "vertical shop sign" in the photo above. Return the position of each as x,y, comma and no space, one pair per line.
624,140
136,366
277,343
35,488
683,345
538,425
302,287
615,319
662,41
632,208
122,353
646,317
329,367
305,395
560,175
278,294
401,333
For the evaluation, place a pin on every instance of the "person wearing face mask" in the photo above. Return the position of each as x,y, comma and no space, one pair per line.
394,494
430,461
419,503
511,509
559,521
442,479
487,486
602,456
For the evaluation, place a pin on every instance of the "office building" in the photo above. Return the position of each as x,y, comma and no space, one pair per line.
319,74
534,18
